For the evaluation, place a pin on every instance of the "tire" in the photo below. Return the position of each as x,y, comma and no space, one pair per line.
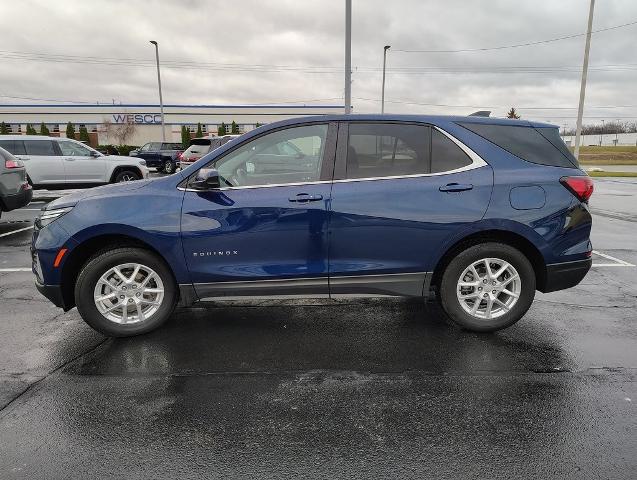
519,279
127,176
155,307
168,167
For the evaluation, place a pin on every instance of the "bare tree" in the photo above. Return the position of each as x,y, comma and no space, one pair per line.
121,132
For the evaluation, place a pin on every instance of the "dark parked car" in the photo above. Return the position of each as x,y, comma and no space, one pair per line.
160,155
15,191
479,212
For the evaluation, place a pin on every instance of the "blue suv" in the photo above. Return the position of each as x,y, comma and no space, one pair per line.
478,212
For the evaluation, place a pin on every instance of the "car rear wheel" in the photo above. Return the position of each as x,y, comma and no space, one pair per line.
487,287
125,291
127,176
169,167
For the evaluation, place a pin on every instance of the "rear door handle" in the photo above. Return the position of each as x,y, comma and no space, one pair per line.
305,197
456,187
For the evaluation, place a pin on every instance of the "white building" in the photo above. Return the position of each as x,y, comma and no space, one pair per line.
608,139
105,121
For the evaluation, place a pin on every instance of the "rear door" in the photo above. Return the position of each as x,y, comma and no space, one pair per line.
80,165
43,162
400,191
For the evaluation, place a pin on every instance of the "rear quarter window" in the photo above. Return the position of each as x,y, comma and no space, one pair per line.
541,145
16,147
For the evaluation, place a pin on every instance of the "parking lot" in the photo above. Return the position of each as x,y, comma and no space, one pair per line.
364,389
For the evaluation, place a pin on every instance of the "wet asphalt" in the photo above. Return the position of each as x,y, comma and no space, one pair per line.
319,389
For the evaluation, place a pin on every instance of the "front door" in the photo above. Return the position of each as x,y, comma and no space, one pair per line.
400,191
264,232
80,166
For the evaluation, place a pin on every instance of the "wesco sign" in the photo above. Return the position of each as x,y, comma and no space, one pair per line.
145,118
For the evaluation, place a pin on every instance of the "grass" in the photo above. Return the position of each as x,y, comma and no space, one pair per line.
620,155
612,174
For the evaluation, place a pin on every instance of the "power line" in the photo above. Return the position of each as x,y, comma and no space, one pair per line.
517,45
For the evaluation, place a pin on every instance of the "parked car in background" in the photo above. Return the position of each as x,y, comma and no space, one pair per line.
479,212
160,155
201,146
51,161
15,191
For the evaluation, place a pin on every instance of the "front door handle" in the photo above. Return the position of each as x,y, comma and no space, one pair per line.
305,197
456,187
69,159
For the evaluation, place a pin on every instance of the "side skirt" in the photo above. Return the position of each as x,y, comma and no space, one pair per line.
384,285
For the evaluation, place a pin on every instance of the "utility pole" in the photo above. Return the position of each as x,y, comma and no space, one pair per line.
348,57
582,91
382,96
161,100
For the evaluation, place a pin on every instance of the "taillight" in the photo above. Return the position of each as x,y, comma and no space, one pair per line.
13,163
180,155
581,187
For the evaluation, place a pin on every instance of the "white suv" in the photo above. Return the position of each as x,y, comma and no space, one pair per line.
54,161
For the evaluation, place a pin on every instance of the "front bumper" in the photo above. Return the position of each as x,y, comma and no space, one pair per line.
17,200
53,293
560,276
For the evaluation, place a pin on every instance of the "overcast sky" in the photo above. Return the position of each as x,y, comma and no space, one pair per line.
275,51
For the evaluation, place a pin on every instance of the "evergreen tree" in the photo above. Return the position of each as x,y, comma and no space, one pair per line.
84,134
222,130
199,131
44,130
4,129
234,128
512,114
70,130
31,130
257,125
185,136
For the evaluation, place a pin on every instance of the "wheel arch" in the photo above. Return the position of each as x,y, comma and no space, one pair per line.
515,240
121,168
78,257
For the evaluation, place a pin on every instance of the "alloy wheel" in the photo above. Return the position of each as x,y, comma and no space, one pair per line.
129,293
489,288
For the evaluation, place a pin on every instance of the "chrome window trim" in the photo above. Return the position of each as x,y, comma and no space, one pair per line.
476,162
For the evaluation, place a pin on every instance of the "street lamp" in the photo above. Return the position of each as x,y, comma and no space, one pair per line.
161,100
382,97
601,135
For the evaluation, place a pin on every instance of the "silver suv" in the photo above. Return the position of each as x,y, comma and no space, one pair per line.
15,192
55,161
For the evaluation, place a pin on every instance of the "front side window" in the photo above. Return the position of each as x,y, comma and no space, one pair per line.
39,148
154,146
263,161
71,149
385,150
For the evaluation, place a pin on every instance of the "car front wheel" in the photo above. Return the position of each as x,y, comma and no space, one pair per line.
487,287
125,291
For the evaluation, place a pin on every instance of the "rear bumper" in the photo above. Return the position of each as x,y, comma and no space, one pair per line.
560,276
17,200
53,293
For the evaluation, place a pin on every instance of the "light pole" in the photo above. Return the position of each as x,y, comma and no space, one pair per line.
582,90
616,131
348,57
601,135
161,100
382,96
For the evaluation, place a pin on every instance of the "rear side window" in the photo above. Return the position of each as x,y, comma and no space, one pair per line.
39,148
536,145
385,150
16,147
445,154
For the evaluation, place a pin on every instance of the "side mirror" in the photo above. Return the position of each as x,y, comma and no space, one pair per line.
206,179
133,153
95,154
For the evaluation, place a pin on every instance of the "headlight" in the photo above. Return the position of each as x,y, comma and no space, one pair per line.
142,162
48,216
